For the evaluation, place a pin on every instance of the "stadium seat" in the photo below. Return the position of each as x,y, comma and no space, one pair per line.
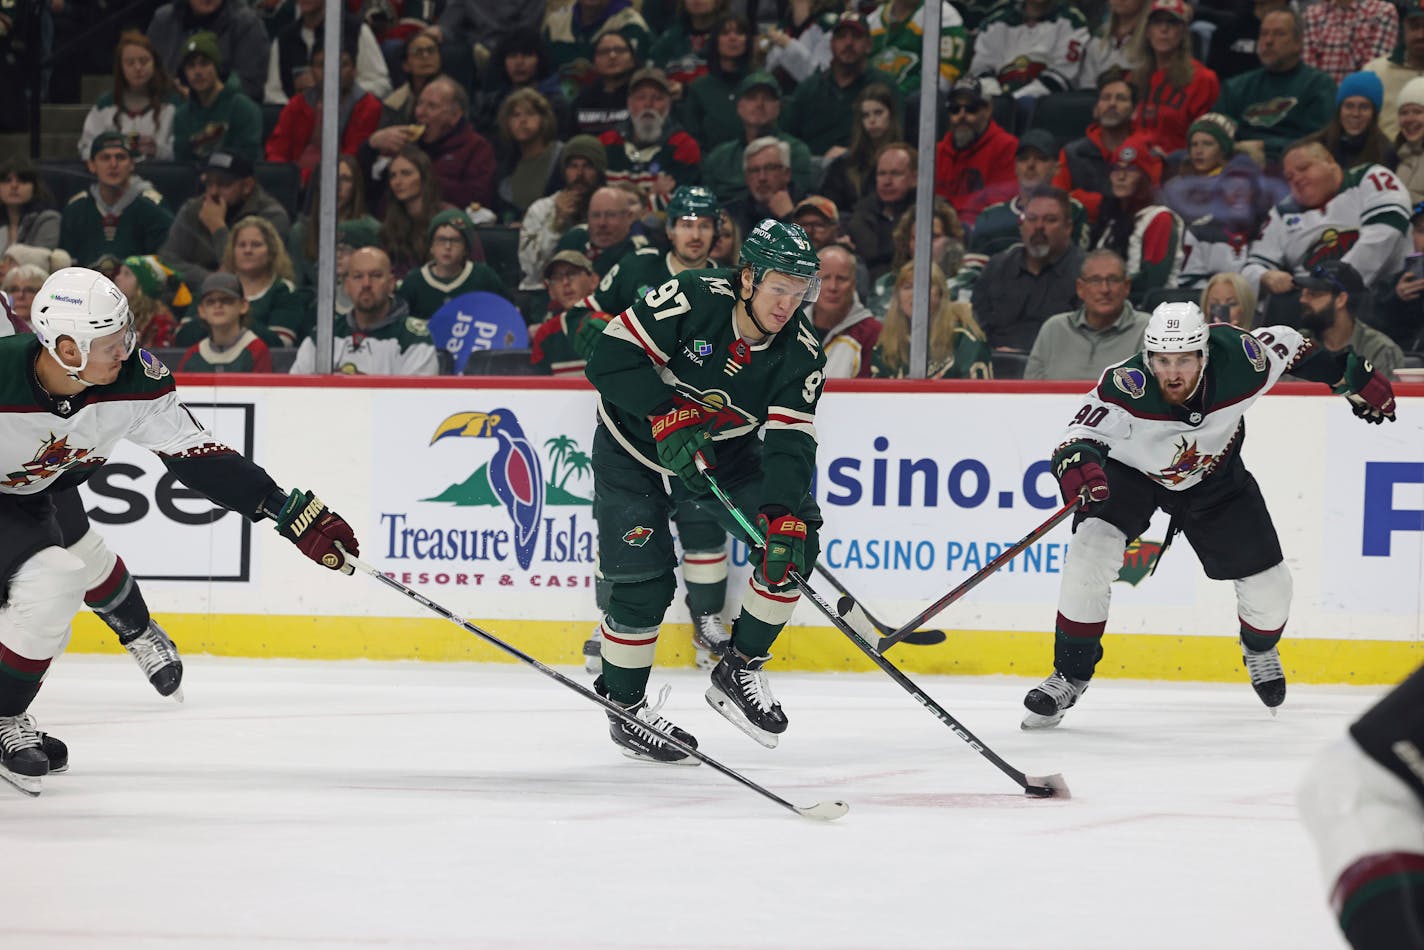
502,363
1009,365
501,246
1064,115
175,181
1157,295
65,179
283,181
270,115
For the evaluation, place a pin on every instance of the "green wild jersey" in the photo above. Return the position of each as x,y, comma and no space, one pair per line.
681,339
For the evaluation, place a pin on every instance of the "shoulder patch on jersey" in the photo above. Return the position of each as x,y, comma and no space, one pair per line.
1130,380
153,367
650,250
1255,352
77,196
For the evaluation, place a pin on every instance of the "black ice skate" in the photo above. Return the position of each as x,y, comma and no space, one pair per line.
1048,701
23,762
709,638
741,693
644,744
158,657
1268,679
593,651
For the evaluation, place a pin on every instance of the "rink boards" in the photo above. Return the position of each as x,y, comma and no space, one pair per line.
478,493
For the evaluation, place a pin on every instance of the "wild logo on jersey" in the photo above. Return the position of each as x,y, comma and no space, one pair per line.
1270,112
53,458
1020,72
1138,560
1332,245
1187,462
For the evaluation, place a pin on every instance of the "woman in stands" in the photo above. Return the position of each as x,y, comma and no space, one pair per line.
946,251
21,284
412,200
277,312
1173,87
149,285
141,106
1354,136
422,64
1228,298
958,348
529,152
1409,143
350,206
1111,47
28,214
850,175
1132,222
708,109
520,62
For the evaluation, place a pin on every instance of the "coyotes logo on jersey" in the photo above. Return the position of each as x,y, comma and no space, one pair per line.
53,458
1185,463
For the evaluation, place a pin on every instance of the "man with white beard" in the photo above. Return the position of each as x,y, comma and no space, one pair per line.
652,153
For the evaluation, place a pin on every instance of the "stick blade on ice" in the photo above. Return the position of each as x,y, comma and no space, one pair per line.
824,811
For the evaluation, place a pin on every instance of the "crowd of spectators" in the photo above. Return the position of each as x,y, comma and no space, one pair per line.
1092,159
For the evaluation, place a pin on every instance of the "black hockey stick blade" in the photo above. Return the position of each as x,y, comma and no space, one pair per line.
925,638
856,615
1046,786
819,811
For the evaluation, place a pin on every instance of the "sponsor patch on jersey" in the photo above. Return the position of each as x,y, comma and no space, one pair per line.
1255,352
637,536
1131,381
153,367
702,347
417,326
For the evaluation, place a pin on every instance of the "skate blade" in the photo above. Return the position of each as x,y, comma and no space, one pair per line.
732,714
31,785
1034,721
637,756
176,695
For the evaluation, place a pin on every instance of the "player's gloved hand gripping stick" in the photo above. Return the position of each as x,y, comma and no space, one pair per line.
682,438
1370,394
1050,786
317,531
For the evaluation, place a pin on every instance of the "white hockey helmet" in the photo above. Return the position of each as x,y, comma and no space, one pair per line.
1175,328
84,305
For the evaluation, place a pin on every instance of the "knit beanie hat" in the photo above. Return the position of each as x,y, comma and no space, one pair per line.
357,233
1218,126
156,278
457,219
202,43
588,147
1364,84
1412,94
1135,153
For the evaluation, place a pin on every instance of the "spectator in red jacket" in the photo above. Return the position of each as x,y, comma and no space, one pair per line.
1174,88
297,137
974,162
1083,163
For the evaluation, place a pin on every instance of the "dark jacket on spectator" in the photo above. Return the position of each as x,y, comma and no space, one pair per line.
1011,302
1083,169
747,211
195,252
242,39
464,164
233,123
872,228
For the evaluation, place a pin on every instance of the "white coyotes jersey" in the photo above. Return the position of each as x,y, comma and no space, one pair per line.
1178,446
1366,225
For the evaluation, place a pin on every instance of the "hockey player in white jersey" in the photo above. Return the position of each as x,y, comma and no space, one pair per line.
68,395
1164,430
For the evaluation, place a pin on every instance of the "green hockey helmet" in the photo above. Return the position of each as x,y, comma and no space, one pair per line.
777,246
693,201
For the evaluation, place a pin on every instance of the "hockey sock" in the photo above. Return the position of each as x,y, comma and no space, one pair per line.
1379,901
20,679
1077,647
119,603
764,612
1258,641
705,573
627,659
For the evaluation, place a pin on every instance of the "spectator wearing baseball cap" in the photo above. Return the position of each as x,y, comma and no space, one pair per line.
1397,67
569,277
199,234
1132,221
1333,298
239,38
216,114
451,270
1177,88
759,109
583,167
650,151
974,162
229,345
120,214
819,217
997,226
821,112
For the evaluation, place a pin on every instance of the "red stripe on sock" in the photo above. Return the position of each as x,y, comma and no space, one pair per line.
1372,868
624,639
109,586
778,598
1081,631
22,664
693,559
1259,632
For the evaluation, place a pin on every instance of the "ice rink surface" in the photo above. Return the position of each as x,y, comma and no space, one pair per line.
293,804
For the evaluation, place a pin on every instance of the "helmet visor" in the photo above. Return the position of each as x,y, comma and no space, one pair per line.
805,289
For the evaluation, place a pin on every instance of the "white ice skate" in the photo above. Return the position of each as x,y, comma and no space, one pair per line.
709,639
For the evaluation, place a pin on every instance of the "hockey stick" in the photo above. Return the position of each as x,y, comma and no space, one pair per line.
980,575
1048,786
821,811
925,638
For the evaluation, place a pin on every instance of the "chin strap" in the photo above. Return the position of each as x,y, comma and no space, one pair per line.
746,303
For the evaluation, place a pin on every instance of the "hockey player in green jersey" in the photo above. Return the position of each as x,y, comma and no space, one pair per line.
693,371
1164,430
693,213
68,394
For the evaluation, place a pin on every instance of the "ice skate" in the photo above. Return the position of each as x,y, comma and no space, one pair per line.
593,651
158,657
709,638
741,693
644,744
1048,701
23,762
1268,679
